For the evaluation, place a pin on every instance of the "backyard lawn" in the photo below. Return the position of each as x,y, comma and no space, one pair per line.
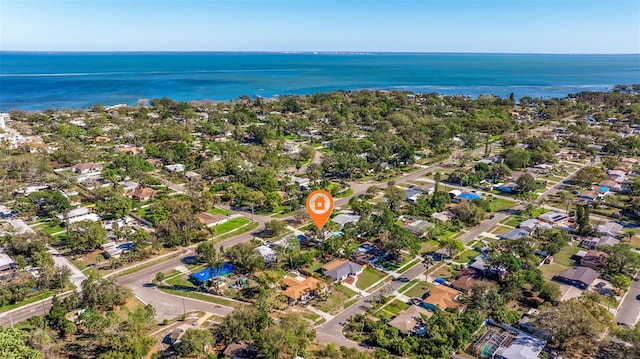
561,261
230,225
50,229
368,277
419,290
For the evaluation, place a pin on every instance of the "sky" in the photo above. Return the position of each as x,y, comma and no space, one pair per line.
494,26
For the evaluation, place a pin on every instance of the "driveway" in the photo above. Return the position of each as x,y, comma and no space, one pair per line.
568,291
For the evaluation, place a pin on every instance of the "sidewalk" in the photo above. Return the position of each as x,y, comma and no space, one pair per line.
327,317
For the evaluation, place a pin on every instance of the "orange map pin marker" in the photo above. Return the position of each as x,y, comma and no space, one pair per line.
319,207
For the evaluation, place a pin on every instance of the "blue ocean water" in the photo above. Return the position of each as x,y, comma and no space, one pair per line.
38,81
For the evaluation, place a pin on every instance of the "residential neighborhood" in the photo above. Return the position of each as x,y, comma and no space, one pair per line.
446,240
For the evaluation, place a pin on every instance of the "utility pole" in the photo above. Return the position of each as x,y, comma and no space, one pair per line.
184,308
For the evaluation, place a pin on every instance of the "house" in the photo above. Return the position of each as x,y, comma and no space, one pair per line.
130,149
617,173
419,227
516,233
466,197
611,185
303,183
193,176
509,187
142,194
590,196
300,290
480,266
553,217
344,218
410,321
268,254
443,216
464,282
454,193
175,168
87,167
442,297
240,351
177,333
211,220
612,229
506,342
413,193
581,277
78,215
594,259
6,263
340,269
128,186
594,242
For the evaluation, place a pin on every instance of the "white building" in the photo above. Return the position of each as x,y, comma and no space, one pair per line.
4,118
6,262
267,253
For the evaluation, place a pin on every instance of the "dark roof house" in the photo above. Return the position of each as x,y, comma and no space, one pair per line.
581,277
340,269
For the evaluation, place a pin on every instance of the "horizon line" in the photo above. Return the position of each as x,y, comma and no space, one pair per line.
310,52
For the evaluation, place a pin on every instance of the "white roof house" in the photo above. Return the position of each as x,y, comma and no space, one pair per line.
610,229
175,168
344,218
79,214
267,253
6,262
531,224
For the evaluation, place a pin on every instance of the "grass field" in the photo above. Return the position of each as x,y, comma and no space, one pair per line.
561,261
407,286
514,222
498,230
181,280
429,246
396,307
368,277
467,256
419,290
336,299
50,229
201,296
218,211
230,225
500,204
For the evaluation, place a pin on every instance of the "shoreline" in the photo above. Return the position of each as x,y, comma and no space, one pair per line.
423,90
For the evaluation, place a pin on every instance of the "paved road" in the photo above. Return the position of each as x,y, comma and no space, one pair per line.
77,277
25,312
474,232
167,306
629,310
331,331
